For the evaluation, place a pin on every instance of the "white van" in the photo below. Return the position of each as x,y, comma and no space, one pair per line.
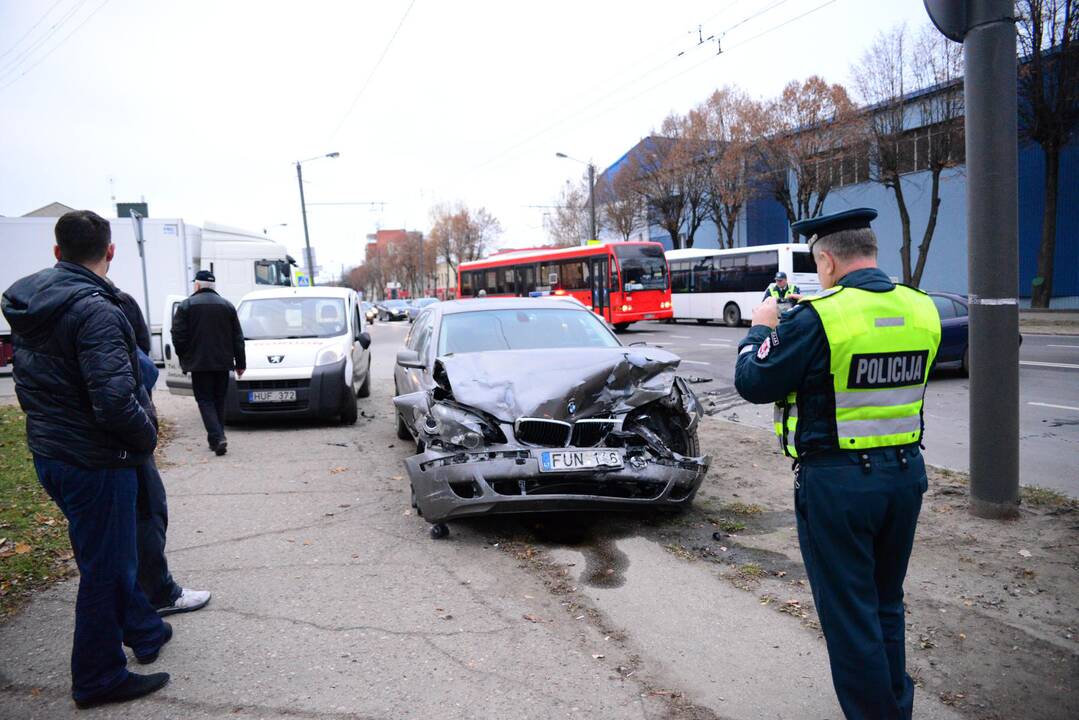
307,355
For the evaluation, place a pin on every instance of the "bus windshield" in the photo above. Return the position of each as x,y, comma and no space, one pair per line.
642,265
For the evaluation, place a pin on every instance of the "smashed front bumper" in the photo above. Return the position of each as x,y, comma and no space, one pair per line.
451,485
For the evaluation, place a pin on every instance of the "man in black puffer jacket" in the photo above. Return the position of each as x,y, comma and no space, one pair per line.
89,424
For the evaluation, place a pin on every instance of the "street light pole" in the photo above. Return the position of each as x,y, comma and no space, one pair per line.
303,211
592,199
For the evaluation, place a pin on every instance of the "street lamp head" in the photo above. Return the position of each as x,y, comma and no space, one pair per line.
561,155
333,154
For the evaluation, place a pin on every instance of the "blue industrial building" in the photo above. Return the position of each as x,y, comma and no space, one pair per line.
763,220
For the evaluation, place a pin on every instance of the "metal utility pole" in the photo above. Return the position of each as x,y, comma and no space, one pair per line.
987,30
140,241
592,199
303,211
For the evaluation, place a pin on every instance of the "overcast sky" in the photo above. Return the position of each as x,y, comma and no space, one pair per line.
202,106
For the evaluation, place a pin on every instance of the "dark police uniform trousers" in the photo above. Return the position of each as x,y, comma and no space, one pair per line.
856,512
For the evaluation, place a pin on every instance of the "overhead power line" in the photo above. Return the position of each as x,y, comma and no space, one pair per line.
12,65
54,48
371,75
32,29
597,101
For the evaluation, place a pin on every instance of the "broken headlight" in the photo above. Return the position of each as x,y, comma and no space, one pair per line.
454,426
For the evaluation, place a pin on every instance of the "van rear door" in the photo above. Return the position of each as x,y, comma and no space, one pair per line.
176,380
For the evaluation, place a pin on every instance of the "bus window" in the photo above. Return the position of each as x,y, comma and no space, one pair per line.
705,277
642,265
732,273
574,275
761,270
680,276
466,284
802,262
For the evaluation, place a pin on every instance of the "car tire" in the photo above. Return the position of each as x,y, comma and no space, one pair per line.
365,389
350,411
403,432
732,315
964,364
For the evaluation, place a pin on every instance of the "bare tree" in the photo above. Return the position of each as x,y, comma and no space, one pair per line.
903,135
622,206
461,234
724,130
659,187
1048,107
804,126
569,223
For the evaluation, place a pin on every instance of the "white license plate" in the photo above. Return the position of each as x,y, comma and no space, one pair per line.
576,460
271,396
649,316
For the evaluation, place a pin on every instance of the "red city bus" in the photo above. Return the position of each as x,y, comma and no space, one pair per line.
623,282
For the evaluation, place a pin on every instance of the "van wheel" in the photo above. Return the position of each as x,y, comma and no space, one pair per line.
732,315
365,389
350,411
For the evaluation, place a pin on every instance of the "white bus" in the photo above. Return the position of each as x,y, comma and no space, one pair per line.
710,284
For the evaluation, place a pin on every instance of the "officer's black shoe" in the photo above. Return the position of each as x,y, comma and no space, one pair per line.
134,686
222,448
147,659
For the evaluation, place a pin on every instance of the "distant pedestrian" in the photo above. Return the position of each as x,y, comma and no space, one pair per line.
847,370
207,336
151,506
89,424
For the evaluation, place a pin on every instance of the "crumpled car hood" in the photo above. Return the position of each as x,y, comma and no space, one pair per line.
559,384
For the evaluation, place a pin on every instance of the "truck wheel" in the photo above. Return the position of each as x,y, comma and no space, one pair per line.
350,411
365,389
732,315
621,327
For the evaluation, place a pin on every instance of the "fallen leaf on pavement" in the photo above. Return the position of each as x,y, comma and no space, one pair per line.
532,618
338,470
22,548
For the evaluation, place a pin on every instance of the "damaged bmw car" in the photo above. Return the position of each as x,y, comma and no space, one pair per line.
528,405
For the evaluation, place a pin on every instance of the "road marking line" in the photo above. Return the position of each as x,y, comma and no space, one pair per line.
682,337
696,362
1067,346
1035,363
713,345
1051,405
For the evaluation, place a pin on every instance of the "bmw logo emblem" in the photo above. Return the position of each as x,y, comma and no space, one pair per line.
572,407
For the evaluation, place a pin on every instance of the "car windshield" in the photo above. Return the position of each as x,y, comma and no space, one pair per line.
423,302
642,265
394,304
525,329
292,317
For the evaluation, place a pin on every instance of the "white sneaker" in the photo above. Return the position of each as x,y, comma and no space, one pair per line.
189,601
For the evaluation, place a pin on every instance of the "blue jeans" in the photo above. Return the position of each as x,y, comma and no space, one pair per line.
110,610
856,526
152,522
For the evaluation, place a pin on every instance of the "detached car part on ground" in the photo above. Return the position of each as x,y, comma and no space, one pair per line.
542,430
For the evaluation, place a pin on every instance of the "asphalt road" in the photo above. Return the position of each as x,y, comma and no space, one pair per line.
1049,398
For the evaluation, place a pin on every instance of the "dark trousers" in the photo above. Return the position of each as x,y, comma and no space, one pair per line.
856,531
211,388
152,522
110,610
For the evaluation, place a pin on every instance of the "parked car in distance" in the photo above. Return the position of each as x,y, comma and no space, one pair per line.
307,355
392,310
370,312
417,305
534,404
954,331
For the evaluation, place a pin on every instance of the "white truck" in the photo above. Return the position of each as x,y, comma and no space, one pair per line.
175,250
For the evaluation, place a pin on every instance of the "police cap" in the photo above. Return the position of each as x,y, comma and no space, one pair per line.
781,276
204,276
856,219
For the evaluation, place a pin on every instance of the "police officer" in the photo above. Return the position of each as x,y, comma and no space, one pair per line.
847,370
783,291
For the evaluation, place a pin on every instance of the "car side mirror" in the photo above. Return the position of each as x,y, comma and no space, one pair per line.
409,359
365,340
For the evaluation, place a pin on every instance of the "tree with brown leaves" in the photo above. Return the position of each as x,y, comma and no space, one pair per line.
809,122
904,136
461,234
569,223
1048,107
723,127
623,208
